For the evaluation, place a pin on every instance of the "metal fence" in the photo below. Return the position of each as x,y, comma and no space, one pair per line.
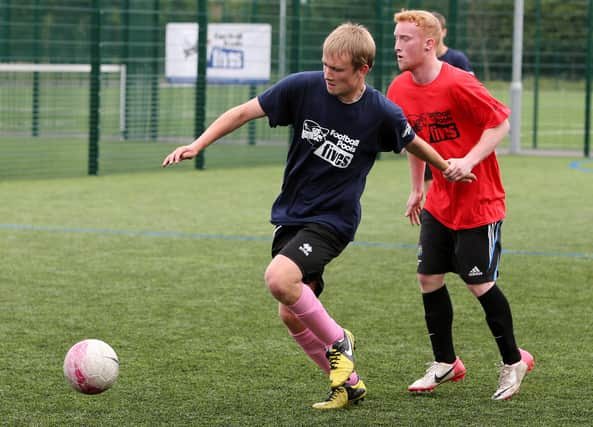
84,87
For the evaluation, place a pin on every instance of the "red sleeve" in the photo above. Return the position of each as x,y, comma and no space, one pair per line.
479,104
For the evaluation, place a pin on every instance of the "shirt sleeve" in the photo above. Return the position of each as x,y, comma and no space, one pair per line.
398,131
277,101
479,104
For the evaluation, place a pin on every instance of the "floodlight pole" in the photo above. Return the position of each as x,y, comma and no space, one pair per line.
516,84
282,40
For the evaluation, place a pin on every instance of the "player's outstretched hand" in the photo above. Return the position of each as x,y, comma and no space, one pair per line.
180,153
413,207
459,171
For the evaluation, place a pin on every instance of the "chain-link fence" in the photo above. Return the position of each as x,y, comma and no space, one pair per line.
85,86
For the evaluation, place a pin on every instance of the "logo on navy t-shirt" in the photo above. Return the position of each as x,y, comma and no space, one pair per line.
335,148
313,133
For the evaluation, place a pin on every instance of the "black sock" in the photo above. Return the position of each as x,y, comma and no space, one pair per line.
438,313
500,321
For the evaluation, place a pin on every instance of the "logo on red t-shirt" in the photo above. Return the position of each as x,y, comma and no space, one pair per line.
439,126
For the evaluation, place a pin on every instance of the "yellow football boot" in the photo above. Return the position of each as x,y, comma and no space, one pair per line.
343,396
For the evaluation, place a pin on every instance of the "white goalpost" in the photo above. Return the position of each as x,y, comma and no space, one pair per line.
117,69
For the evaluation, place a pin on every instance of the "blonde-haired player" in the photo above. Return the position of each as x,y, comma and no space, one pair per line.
340,124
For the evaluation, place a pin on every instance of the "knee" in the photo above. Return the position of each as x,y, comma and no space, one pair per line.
283,279
276,283
430,283
272,279
481,289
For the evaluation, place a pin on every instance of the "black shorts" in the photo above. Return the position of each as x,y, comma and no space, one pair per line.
474,254
311,247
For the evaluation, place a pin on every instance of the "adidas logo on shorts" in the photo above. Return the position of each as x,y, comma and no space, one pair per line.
475,272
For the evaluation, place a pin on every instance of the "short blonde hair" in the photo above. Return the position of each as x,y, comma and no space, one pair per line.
354,40
426,21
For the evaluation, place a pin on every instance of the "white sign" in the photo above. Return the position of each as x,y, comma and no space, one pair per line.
236,53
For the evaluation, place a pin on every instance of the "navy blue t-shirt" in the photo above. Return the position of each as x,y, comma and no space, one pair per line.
333,148
457,59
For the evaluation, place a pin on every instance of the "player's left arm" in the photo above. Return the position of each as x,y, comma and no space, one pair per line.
488,142
421,149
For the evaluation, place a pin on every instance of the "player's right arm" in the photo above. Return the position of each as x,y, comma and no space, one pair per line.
419,151
414,203
226,123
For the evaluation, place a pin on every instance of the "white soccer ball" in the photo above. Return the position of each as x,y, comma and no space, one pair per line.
91,366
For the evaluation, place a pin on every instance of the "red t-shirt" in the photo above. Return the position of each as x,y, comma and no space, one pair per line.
451,113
